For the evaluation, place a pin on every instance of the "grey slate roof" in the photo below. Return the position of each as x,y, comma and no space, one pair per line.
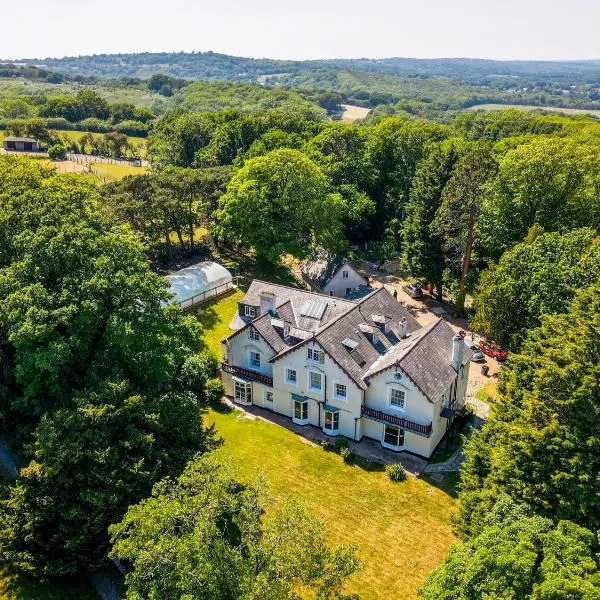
10,138
297,299
425,355
321,266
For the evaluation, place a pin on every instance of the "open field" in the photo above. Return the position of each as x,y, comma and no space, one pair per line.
354,113
10,87
400,530
556,109
110,172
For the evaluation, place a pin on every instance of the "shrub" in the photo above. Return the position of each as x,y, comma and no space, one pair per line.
395,472
214,390
326,445
135,128
347,455
57,152
339,444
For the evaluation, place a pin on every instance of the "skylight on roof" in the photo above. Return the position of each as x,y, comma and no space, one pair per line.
350,344
314,309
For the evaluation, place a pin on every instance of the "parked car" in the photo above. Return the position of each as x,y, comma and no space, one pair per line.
414,290
493,350
477,355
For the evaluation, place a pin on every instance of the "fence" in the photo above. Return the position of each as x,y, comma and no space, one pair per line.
206,295
93,158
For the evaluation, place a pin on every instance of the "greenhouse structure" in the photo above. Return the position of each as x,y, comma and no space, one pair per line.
197,283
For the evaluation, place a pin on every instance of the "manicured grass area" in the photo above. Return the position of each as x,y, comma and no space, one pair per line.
215,316
13,587
111,172
400,530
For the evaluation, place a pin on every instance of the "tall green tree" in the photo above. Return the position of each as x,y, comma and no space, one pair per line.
519,556
95,392
541,444
280,203
423,252
550,181
205,535
394,149
534,278
457,215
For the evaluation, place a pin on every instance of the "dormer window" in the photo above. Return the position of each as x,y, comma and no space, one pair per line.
249,311
315,355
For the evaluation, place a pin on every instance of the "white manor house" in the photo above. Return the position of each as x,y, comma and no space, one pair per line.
361,368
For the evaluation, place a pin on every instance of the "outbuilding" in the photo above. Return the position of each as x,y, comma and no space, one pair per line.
20,144
197,283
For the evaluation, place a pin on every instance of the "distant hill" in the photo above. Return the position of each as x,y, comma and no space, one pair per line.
212,65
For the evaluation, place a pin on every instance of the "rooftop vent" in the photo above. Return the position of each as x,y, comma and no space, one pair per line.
350,344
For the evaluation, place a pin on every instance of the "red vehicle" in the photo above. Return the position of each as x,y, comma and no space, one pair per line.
493,350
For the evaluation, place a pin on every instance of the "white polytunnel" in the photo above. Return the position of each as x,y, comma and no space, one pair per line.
199,282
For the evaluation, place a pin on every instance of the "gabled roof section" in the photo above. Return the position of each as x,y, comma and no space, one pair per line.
322,266
361,347
425,356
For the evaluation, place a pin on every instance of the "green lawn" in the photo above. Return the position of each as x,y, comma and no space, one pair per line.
110,172
400,530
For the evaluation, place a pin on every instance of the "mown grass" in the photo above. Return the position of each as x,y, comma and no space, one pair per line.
110,172
400,530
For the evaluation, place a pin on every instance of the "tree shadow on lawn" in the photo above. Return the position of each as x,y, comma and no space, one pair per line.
246,267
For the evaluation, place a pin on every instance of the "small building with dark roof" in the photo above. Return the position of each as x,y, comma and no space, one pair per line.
20,144
333,275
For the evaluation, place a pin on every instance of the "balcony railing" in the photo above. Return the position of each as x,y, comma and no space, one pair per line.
247,373
383,417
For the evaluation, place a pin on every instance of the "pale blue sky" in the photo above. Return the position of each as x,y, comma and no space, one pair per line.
509,29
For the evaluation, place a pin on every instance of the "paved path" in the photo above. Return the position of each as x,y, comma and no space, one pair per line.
452,464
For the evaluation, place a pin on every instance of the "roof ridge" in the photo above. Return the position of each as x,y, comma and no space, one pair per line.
305,291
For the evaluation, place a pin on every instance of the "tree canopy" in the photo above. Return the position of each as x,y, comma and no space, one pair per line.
205,535
280,203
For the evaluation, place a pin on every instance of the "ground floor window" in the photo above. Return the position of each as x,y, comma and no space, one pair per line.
301,410
393,436
332,421
242,392
268,399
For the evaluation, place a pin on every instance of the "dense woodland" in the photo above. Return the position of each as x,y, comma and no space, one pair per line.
103,385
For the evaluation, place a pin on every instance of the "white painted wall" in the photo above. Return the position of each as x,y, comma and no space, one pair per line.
338,285
331,374
239,348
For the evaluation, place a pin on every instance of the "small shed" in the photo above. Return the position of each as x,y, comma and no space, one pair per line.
199,282
20,144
